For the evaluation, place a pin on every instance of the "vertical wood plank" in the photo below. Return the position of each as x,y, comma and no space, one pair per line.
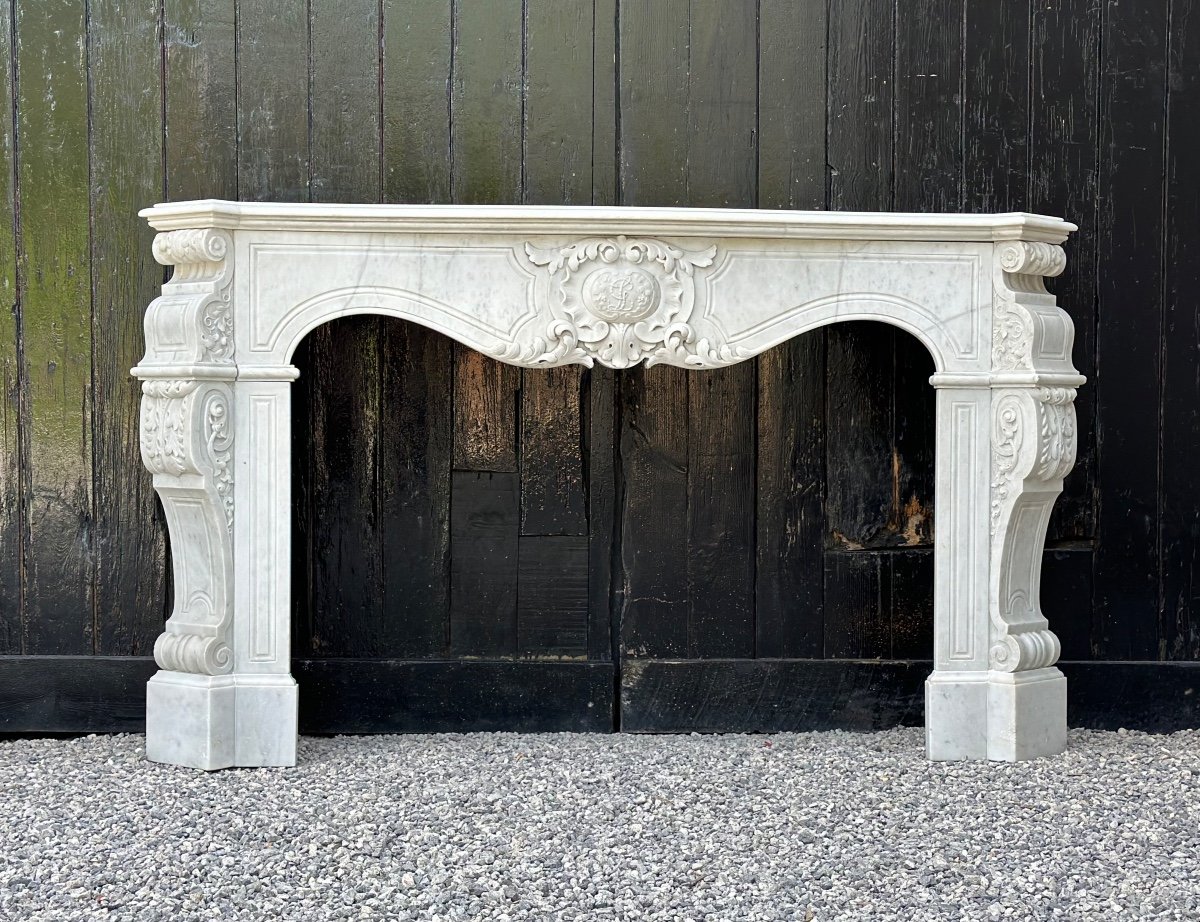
414,489
552,606
791,103
600,471
124,59
859,359
272,101
487,142
552,484
653,78
52,123
653,497
416,100
996,105
599,384
487,97
928,100
341,359
722,171
10,386
558,114
653,403
1129,271
861,48
200,70
1063,156
789,589
604,102
1179,627
416,364
484,512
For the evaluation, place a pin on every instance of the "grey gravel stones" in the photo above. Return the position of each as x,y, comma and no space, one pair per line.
825,826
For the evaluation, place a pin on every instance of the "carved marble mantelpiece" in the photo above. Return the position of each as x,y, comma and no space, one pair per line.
538,287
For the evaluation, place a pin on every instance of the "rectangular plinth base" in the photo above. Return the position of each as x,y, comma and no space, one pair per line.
995,715
213,722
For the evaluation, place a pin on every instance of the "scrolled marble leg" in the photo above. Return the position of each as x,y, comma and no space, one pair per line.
1033,448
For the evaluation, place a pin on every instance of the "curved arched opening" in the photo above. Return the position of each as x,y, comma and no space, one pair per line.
777,508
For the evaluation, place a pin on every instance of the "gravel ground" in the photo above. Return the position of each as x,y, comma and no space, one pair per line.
507,826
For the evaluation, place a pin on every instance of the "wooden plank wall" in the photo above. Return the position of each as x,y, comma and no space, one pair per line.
452,507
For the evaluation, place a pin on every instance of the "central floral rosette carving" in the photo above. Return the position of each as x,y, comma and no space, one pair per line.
618,301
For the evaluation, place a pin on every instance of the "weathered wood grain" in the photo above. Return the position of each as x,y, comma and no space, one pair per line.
272,101
417,48
56,326
1129,272
1179,621
11,539
1063,180
484,519
129,535
200,98
790,515
340,362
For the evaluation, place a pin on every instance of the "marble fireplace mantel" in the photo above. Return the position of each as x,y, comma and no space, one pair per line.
538,286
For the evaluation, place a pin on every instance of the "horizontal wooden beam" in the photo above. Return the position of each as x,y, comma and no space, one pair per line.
107,694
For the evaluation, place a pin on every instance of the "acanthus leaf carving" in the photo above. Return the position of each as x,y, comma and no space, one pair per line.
187,442
1033,448
620,301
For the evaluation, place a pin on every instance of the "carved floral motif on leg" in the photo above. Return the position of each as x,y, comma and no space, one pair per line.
1033,448
186,441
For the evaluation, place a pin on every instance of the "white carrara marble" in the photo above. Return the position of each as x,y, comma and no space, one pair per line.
542,286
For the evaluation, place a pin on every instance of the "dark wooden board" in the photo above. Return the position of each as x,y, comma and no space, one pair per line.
770,696
552,597
200,77
56,327
484,520
98,694
394,696
339,362
129,536
11,518
1064,151
272,101
790,470
652,496
1179,620
1129,272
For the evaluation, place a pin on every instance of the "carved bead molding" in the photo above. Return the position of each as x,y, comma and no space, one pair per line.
619,301
187,442
192,323
1033,448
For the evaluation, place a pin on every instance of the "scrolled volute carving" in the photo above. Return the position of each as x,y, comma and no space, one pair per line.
1023,257
618,301
192,323
193,653
1021,293
184,247
187,442
1017,652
